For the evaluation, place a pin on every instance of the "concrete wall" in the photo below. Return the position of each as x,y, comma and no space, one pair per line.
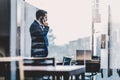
28,16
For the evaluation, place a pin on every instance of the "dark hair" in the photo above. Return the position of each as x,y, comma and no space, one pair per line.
40,12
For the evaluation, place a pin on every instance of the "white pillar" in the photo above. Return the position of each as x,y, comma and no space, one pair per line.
13,35
22,28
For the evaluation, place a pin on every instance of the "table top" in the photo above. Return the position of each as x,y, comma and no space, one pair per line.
8,59
66,71
53,68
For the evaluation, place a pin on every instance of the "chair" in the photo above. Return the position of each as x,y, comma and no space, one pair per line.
67,60
36,61
94,73
85,57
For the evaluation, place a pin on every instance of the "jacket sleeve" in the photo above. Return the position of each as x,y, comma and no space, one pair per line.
45,30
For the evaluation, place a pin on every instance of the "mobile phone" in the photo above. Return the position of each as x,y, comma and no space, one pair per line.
42,20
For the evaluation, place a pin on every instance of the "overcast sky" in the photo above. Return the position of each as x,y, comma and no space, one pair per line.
69,19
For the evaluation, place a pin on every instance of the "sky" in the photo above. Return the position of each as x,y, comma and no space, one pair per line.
69,19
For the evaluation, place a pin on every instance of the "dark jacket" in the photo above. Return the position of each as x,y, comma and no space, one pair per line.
39,40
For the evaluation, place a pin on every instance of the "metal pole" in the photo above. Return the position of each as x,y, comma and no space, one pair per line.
109,25
92,37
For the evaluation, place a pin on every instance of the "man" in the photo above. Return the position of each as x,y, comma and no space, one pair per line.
38,31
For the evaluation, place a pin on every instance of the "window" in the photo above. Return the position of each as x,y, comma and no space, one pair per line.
70,24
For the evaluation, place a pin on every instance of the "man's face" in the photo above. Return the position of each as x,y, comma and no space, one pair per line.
43,19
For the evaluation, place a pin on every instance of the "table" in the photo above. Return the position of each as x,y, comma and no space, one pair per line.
91,65
66,71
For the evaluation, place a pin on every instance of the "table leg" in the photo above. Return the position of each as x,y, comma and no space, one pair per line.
54,77
77,77
66,77
59,77
7,74
83,76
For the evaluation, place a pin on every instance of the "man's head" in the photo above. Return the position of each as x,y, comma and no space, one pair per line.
41,15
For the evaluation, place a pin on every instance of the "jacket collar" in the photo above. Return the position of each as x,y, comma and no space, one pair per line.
38,22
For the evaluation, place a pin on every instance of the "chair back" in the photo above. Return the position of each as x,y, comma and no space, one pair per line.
36,61
67,60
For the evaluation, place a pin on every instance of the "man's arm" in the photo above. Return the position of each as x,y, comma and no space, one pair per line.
45,30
